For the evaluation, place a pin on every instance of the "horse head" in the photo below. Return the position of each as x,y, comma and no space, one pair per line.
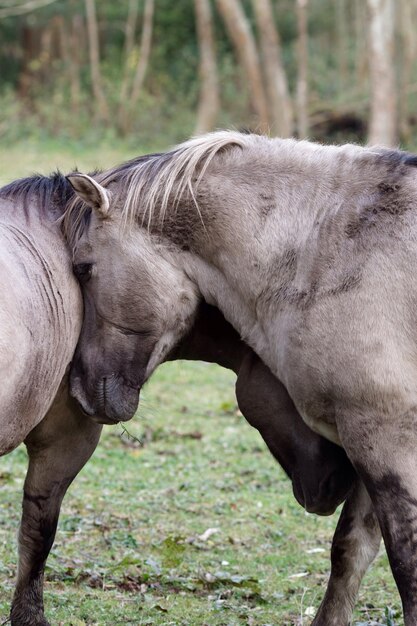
127,331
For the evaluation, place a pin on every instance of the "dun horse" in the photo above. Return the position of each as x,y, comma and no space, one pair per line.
41,318
311,253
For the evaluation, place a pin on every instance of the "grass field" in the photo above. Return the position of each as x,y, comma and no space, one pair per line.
134,546
26,158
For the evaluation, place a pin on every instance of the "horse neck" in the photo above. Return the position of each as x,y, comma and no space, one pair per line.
30,216
43,299
251,231
213,340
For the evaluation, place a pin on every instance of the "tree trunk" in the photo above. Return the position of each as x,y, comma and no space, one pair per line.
361,49
125,117
21,9
93,45
208,106
383,119
302,57
280,107
408,50
30,51
43,72
130,27
342,44
68,55
244,43
145,51
74,62
63,40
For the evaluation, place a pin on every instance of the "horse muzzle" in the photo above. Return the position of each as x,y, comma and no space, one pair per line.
110,401
323,496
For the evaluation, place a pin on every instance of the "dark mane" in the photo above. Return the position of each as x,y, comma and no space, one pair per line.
396,158
51,193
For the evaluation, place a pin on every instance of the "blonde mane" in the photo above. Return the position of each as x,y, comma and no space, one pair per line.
149,187
147,182
151,180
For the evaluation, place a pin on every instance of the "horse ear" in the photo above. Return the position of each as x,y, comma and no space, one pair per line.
89,190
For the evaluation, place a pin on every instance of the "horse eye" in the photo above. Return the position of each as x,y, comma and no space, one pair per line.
83,271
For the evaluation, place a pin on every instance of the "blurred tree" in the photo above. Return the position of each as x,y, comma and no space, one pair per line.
19,8
279,101
67,28
302,80
75,44
342,40
130,27
245,46
383,125
50,62
102,110
144,52
208,104
30,52
130,112
407,53
361,50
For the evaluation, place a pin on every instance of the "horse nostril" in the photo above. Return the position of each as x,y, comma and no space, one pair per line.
111,383
100,393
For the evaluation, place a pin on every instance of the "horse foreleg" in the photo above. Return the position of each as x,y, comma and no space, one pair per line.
58,448
383,450
354,547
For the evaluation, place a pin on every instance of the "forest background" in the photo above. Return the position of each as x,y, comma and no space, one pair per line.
149,73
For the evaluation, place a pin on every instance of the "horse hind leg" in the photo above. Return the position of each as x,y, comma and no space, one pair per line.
354,547
58,448
383,449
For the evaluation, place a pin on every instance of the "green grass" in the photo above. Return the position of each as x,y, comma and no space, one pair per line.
130,547
24,158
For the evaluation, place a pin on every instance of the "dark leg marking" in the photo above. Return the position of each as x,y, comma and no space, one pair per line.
355,545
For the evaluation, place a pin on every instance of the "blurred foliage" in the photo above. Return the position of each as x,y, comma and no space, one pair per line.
35,92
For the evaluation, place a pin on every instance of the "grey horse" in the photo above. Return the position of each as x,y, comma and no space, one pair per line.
37,338
49,309
309,251
40,321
